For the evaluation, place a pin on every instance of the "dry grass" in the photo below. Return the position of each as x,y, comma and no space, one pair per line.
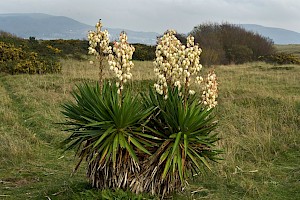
289,48
258,113
16,140
259,122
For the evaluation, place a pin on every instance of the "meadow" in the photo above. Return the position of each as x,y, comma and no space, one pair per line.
289,48
259,123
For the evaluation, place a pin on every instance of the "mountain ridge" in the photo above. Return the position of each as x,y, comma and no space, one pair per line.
45,26
278,35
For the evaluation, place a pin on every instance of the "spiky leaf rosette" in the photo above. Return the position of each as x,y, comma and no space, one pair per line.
186,142
106,131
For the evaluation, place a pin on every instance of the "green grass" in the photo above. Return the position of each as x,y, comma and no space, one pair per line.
259,121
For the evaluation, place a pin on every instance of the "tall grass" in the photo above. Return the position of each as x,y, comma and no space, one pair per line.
16,140
258,113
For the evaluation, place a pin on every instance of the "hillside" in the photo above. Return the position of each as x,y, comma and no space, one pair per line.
43,26
278,35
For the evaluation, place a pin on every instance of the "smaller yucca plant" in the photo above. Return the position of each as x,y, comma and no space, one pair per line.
106,123
106,133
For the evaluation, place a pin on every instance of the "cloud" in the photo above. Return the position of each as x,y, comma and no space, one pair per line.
159,15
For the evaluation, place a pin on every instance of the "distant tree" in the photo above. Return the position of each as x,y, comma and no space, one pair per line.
208,36
227,43
181,37
32,39
143,52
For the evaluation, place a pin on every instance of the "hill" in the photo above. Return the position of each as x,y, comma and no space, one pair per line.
43,26
278,35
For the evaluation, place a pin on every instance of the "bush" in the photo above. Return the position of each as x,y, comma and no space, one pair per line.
16,60
281,58
76,49
231,43
239,54
211,56
143,52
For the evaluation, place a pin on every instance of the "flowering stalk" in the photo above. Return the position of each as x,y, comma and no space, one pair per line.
99,46
121,61
210,90
175,63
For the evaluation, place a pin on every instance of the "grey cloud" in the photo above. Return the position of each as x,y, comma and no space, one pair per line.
159,15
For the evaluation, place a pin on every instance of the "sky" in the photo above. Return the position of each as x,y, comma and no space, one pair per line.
160,15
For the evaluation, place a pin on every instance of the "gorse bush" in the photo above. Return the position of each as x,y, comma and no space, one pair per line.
153,143
15,60
281,58
69,48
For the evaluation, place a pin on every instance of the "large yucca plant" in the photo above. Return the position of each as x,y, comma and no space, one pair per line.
183,131
107,132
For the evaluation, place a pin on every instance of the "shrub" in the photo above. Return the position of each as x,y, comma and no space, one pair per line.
281,58
143,52
239,54
69,48
231,43
15,60
211,56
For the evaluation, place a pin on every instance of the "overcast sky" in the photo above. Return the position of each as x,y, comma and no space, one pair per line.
160,15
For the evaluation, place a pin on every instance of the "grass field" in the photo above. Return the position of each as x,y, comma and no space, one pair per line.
289,48
259,121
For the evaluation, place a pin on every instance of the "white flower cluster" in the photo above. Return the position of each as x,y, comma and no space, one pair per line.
120,62
210,90
99,41
175,63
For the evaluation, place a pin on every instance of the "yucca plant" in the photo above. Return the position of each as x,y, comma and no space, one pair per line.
107,132
182,123
186,144
153,145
